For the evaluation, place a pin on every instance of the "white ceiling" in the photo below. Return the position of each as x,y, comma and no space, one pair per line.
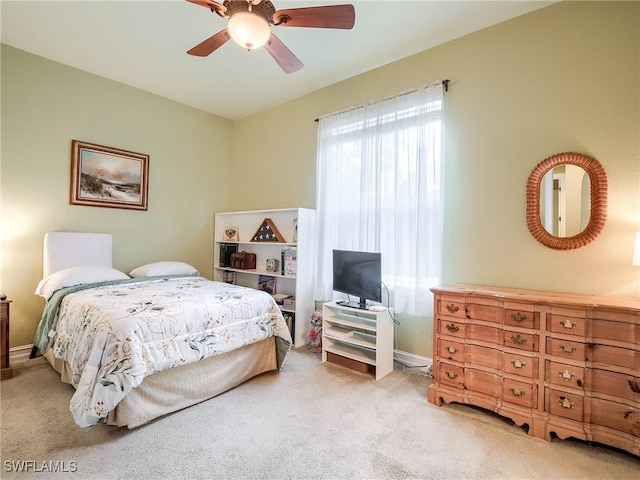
143,44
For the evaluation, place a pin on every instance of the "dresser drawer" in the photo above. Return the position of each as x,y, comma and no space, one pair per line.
521,317
485,356
614,383
566,349
484,333
566,375
451,350
563,404
521,341
521,393
520,365
452,306
451,375
450,327
567,325
605,354
483,382
615,415
623,332
488,313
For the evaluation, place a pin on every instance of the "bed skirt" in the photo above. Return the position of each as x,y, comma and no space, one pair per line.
178,388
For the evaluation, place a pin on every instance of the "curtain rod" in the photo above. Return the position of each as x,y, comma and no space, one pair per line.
445,83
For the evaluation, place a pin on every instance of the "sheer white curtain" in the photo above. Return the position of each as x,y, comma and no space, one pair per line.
380,189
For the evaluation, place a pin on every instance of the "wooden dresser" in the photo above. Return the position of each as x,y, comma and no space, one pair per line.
557,363
7,371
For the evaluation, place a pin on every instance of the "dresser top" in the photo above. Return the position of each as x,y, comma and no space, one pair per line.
542,296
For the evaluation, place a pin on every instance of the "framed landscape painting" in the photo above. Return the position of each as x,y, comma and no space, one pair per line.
108,177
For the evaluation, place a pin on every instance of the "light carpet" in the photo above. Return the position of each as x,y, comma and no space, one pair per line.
312,420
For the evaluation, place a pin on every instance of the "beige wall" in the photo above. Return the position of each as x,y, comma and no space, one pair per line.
44,106
564,78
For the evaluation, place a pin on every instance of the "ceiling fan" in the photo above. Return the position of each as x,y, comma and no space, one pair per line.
250,22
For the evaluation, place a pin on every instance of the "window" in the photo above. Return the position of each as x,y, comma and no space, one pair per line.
380,189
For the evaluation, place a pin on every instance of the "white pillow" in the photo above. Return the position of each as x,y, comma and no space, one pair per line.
163,268
76,276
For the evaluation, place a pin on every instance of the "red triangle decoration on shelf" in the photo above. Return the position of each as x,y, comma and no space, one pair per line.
267,232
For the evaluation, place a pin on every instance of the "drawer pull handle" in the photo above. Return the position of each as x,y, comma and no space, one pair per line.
451,374
452,349
517,391
453,308
567,375
567,349
568,324
517,363
566,403
518,317
452,327
517,339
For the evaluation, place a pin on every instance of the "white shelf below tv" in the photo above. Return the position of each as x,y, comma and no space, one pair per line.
362,335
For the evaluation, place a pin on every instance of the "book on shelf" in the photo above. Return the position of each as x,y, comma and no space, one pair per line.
226,249
267,283
280,297
290,319
290,261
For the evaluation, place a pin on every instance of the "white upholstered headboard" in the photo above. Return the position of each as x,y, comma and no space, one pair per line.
72,249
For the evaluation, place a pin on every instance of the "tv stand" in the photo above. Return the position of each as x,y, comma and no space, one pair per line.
365,336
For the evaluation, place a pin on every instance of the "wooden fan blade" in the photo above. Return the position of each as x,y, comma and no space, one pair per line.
211,44
331,16
210,4
282,55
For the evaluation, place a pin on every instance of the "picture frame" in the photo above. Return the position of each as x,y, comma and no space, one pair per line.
230,234
267,283
108,177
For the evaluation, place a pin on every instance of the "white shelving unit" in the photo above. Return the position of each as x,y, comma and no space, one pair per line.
362,335
300,235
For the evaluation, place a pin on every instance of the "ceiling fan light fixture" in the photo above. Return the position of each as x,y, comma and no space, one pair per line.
249,30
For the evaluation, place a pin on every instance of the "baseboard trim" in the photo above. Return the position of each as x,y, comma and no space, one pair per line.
19,356
422,364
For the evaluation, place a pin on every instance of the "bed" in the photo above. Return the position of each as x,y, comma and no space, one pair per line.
141,345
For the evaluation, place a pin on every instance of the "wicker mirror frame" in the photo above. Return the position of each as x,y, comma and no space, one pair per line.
598,216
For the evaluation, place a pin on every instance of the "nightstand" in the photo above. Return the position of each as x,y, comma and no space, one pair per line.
7,371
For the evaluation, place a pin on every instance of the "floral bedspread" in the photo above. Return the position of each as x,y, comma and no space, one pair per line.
112,335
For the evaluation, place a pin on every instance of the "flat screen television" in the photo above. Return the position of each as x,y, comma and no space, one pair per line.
358,274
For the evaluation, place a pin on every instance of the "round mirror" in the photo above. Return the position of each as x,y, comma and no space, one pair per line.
566,201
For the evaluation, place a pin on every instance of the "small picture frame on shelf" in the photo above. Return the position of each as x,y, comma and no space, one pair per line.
272,265
230,234
289,262
267,283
